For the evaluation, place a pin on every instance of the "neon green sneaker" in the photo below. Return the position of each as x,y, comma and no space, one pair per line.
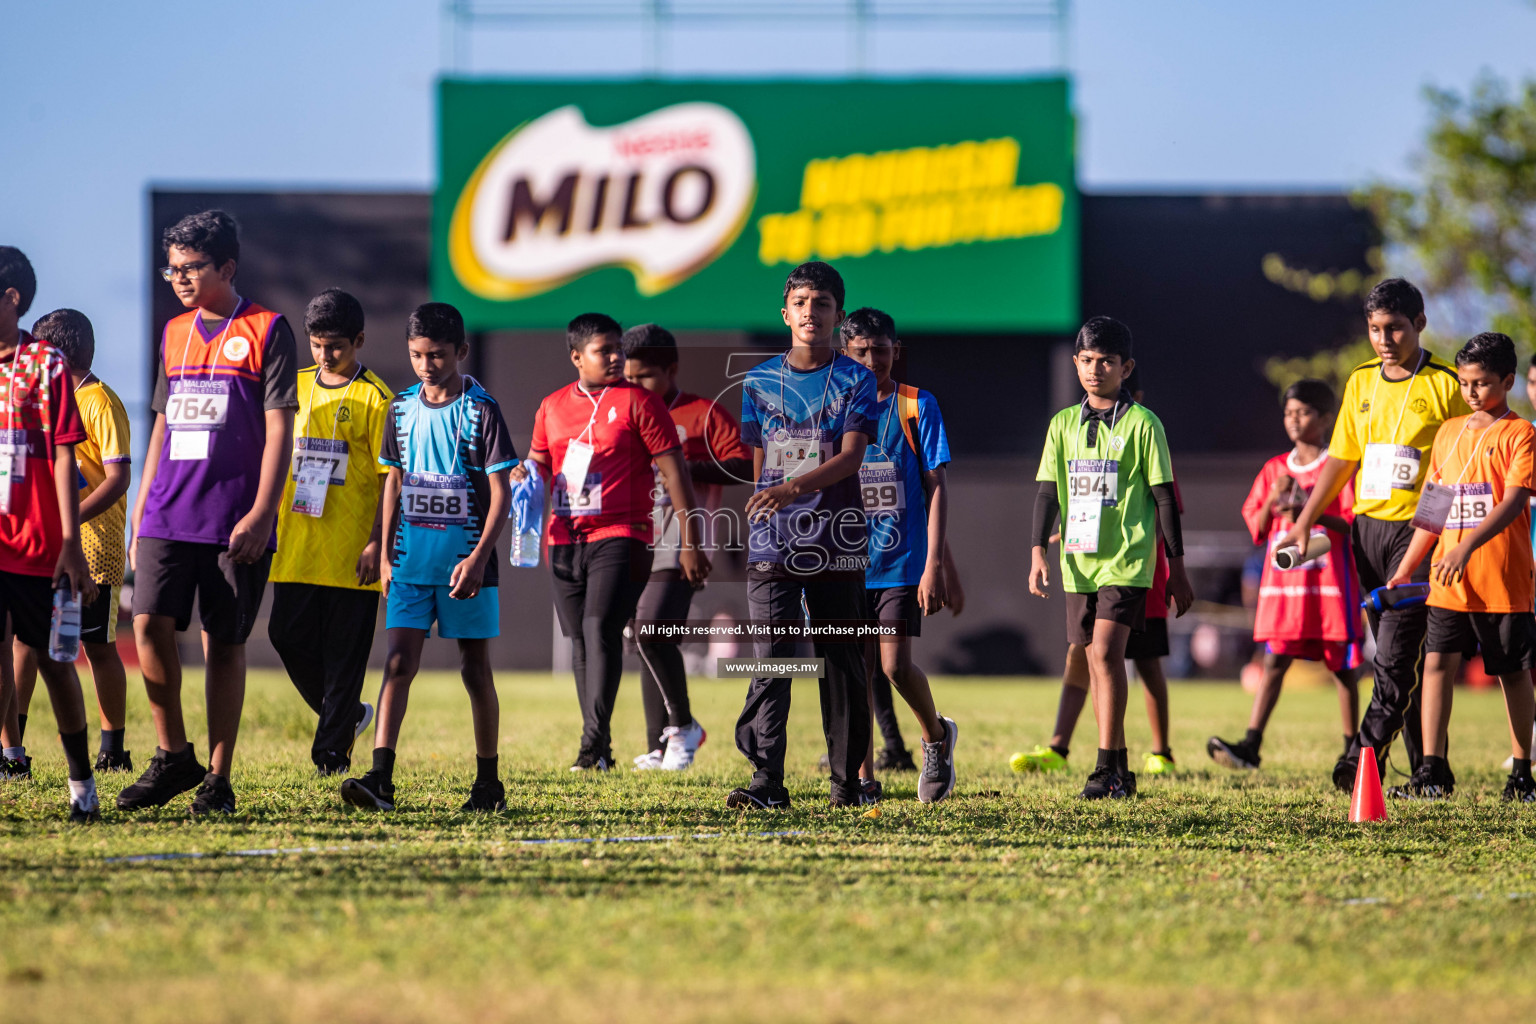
1157,764
1041,759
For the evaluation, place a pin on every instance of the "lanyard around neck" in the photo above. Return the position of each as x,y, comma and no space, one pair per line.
218,346
336,416
826,388
1456,448
458,431
1423,358
1114,421
597,403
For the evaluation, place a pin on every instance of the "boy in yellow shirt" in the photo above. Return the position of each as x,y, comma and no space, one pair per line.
104,462
325,575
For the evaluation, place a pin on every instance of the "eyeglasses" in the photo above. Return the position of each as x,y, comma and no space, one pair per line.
186,270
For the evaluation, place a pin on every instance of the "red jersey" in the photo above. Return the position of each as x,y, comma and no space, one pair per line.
1157,597
626,426
38,402
1320,600
709,435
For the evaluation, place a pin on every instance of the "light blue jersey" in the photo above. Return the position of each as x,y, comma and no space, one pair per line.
891,480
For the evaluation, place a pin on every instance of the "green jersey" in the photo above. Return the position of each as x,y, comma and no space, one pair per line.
1115,475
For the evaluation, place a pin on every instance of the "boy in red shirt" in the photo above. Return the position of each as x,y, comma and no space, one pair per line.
713,452
40,546
598,437
1310,612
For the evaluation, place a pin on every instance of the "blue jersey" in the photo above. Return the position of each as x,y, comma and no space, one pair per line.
446,454
892,483
799,418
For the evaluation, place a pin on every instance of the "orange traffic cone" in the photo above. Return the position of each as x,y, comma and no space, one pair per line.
1367,804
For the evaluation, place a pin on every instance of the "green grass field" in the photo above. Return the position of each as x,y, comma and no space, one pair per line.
1212,896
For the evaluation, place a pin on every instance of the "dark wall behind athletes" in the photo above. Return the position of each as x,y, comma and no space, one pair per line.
1184,271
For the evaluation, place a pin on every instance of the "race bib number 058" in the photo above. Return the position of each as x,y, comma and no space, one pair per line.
1471,505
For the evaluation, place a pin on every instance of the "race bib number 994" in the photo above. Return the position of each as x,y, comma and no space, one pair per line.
1089,479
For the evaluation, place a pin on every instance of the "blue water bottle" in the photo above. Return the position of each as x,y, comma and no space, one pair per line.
527,516
1383,598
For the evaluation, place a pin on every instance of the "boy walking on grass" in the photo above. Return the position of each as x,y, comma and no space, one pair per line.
1310,612
40,548
1106,467
1474,515
445,502
325,576
103,460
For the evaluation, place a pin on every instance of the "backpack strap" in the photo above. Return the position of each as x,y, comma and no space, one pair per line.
908,412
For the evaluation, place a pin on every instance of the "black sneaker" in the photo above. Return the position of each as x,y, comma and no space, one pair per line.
16,769
871,791
824,764
1107,784
1430,781
1520,789
899,760
486,796
114,761
1238,756
373,792
1344,771
588,761
760,796
332,763
214,796
163,781
1128,777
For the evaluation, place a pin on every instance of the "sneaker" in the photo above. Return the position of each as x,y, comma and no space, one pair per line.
938,778
759,796
163,781
1041,759
332,764
871,790
1344,771
84,807
586,761
682,744
362,727
867,792
1158,764
372,792
486,796
214,796
1238,756
1428,782
824,764
649,761
114,761
899,760
17,769
1128,777
1107,784
1518,789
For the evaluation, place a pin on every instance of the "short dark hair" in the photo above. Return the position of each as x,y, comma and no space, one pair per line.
213,233
334,314
1492,351
16,272
588,326
69,331
438,321
823,277
1104,334
1311,392
651,344
1395,295
867,322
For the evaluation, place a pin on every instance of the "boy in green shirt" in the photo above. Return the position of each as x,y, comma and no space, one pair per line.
1106,468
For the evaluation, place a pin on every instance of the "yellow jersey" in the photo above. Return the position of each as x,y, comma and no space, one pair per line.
1401,416
106,442
343,423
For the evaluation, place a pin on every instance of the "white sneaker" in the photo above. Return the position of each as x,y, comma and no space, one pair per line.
648,761
84,806
682,744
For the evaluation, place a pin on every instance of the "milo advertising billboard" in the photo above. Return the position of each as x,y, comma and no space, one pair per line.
950,204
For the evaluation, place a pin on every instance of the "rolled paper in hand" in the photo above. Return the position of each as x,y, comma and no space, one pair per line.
1291,556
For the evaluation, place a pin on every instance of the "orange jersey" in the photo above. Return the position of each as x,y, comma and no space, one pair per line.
1483,464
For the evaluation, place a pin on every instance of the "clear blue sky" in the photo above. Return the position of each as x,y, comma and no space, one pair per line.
114,96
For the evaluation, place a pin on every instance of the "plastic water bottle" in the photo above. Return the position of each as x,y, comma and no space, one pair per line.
527,516
1406,596
64,635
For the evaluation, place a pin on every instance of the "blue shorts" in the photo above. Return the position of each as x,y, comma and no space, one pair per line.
416,606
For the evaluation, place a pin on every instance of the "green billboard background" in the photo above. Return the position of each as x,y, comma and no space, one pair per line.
972,255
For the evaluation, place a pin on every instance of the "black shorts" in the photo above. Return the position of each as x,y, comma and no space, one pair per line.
1151,641
667,596
895,606
28,602
98,620
1507,640
169,574
1125,605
